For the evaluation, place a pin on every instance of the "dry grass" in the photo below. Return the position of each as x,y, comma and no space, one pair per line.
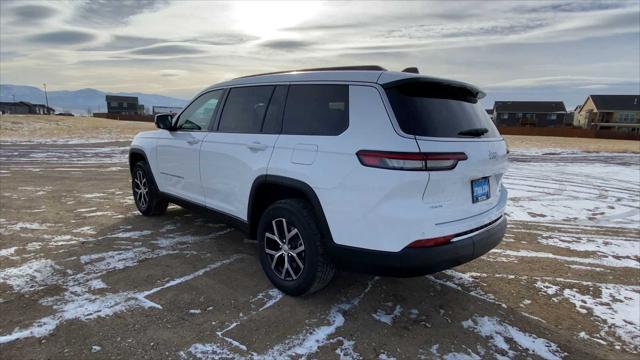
61,128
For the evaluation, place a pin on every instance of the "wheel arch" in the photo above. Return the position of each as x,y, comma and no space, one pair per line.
267,189
136,155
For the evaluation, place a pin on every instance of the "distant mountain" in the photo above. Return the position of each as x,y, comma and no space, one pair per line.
79,101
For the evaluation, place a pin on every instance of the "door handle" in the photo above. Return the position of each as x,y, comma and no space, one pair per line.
193,141
257,146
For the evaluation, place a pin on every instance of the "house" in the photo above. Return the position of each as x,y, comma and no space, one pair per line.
609,112
25,107
124,105
529,113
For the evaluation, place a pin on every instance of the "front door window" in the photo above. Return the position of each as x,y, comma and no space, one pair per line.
199,115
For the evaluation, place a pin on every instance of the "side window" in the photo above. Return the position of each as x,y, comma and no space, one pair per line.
245,108
198,115
317,110
273,118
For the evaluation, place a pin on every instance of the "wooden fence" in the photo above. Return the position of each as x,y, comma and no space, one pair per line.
126,117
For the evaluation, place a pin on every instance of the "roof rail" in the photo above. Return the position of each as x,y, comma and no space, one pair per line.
337,68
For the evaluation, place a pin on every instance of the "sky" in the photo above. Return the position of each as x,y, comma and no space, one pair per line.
513,50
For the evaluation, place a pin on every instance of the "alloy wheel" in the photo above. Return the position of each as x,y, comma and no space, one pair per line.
141,189
285,250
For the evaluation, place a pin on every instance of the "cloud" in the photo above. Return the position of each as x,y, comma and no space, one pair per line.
286,45
30,14
167,50
108,12
123,42
63,37
583,82
172,73
574,7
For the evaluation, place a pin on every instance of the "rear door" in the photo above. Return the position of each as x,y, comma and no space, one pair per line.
239,150
178,153
449,120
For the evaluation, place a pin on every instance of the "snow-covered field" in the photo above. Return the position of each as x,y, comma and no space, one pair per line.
81,273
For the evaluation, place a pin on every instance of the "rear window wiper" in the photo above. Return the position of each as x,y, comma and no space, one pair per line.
474,132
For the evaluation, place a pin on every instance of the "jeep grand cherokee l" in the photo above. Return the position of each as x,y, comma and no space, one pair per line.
391,173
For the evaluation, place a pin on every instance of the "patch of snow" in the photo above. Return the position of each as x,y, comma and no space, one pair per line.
85,230
618,306
452,355
462,282
85,210
33,275
92,195
608,246
590,268
77,303
130,234
384,356
28,226
387,318
604,261
268,298
95,348
99,213
310,340
547,288
195,311
579,188
8,251
346,351
498,332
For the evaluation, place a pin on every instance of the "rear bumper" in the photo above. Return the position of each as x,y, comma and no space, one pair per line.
415,262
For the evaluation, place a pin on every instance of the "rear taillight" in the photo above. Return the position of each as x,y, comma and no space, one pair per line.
410,161
424,243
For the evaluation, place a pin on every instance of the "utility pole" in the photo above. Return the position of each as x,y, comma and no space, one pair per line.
46,98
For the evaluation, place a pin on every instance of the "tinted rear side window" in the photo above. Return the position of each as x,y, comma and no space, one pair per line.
317,110
273,118
244,109
432,110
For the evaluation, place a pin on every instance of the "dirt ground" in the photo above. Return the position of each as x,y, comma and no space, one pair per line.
83,275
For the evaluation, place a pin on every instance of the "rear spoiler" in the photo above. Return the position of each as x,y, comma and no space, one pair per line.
471,90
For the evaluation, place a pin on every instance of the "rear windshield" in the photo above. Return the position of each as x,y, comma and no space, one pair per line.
435,110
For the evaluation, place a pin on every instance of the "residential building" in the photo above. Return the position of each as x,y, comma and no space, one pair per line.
609,112
124,105
25,107
529,113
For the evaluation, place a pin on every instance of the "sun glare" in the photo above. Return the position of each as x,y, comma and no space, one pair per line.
269,19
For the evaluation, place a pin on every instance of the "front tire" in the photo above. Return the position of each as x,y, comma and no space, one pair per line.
291,250
145,192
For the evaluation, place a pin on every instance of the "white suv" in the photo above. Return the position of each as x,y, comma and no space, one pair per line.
359,168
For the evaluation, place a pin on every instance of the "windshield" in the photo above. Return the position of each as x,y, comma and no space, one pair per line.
436,110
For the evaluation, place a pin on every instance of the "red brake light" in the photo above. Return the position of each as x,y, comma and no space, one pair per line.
410,161
424,243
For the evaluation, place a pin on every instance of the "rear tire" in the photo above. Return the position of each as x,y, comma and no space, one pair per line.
145,192
291,250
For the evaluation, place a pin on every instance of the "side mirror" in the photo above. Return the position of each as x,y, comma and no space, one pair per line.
164,121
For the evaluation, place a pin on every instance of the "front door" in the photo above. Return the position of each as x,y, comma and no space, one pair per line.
179,153
239,151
